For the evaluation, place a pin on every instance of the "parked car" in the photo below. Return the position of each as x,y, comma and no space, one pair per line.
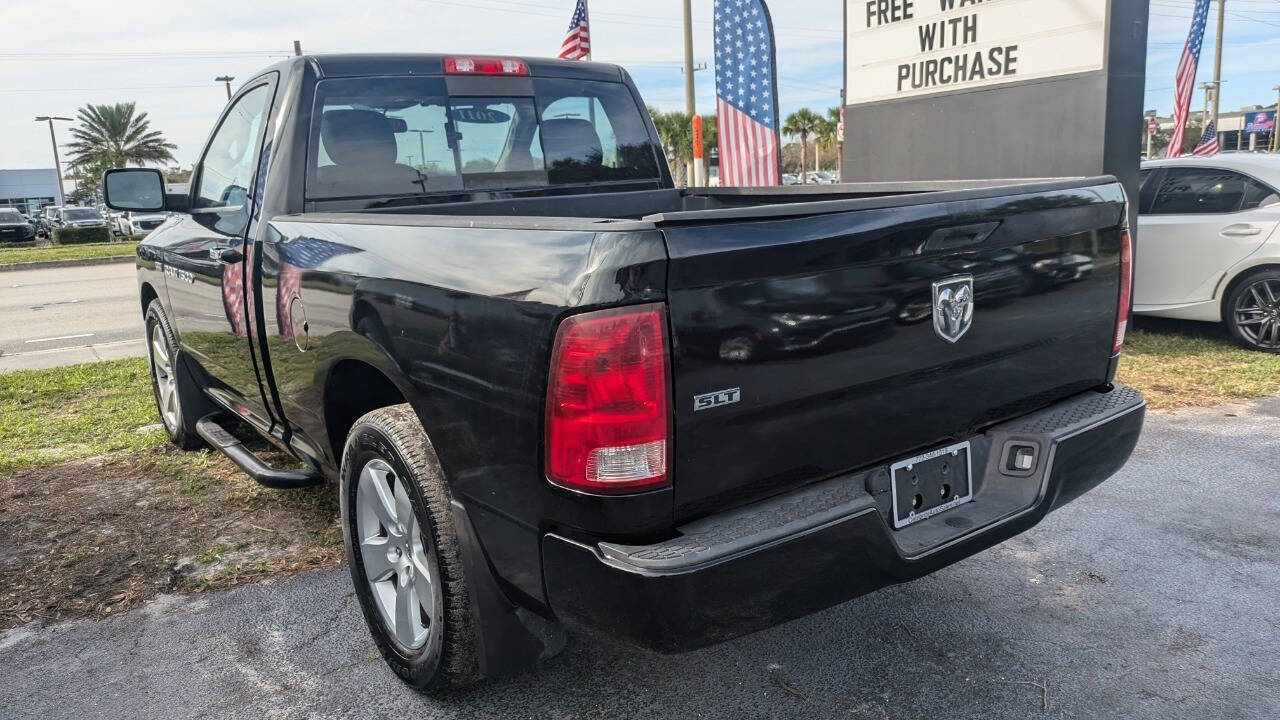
514,370
79,217
15,227
46,219
820,177
1208,246
131,223
790,179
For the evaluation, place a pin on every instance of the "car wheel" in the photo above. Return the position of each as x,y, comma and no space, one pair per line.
180,402
1252,312
403,552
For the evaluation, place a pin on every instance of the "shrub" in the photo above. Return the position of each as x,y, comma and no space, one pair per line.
78,236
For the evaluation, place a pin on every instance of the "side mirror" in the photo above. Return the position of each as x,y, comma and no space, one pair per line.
140,189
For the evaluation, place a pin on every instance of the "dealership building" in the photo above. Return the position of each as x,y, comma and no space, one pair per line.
29,190
1250,128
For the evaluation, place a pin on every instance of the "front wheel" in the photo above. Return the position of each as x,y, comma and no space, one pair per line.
1252,311
180,404
404,555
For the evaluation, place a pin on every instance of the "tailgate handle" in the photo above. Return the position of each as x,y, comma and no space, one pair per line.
960,236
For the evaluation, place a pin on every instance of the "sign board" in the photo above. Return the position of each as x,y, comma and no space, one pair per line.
1152,127
911,48
1260,122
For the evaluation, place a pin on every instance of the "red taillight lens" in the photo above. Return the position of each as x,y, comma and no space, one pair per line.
1126,290
607,401
485,66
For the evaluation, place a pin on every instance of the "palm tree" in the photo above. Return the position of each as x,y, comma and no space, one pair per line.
675,130
803,122
119,135
824,137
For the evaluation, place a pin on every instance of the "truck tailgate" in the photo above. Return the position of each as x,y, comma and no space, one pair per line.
804,340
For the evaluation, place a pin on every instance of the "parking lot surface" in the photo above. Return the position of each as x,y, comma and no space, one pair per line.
1155,596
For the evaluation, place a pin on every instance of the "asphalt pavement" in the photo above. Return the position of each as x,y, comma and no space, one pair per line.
1155,596
67,315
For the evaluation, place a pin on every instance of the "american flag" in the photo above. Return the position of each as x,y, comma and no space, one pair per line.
1208,144
298,255
235,292
746,94
1186,78
577,42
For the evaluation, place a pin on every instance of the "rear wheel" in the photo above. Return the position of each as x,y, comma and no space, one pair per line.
404,556
1252,312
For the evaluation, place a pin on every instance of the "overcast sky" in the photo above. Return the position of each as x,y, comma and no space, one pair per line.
164,54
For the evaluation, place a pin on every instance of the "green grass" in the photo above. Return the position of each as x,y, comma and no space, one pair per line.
1185,366
9,256
66,413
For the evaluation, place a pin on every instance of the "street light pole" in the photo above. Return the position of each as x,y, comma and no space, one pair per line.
226,80
57,164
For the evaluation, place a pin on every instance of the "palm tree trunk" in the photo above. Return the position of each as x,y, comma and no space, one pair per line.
804,160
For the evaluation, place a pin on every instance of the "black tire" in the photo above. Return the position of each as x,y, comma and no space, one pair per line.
450,656
191,403
1264,337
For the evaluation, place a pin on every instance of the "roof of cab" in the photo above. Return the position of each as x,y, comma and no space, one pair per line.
358,65
1262,162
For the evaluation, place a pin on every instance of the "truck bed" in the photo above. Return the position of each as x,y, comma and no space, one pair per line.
652,208
813,307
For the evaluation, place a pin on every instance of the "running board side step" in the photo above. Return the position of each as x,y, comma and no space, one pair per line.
251,464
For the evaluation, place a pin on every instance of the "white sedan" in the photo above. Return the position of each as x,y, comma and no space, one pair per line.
1208,248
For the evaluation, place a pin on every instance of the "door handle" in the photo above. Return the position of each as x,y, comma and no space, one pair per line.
225,255
1241,231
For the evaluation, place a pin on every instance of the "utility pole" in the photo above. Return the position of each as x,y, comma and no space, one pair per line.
690,102
1275,126
57,164
297,48
422,148
1209,91
1217,62
226,80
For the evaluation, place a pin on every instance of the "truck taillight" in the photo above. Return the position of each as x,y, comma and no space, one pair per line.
1126,290
485,66
608,416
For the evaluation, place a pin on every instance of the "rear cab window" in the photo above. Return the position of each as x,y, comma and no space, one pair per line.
392,137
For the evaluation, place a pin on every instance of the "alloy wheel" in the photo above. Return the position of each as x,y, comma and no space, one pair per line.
1257,314
401,570
166,379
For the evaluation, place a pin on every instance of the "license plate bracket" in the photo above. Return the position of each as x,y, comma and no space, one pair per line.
932,483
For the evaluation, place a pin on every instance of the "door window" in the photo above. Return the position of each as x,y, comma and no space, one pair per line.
228,166
1200,191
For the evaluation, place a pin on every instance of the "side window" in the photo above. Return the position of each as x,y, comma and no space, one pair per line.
1199,191
1257,195
227,168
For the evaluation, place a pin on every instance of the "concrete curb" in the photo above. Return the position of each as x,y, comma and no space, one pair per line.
42,264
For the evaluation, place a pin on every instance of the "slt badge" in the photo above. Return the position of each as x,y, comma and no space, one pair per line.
953,307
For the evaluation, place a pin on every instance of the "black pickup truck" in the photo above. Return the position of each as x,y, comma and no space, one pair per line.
555,390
